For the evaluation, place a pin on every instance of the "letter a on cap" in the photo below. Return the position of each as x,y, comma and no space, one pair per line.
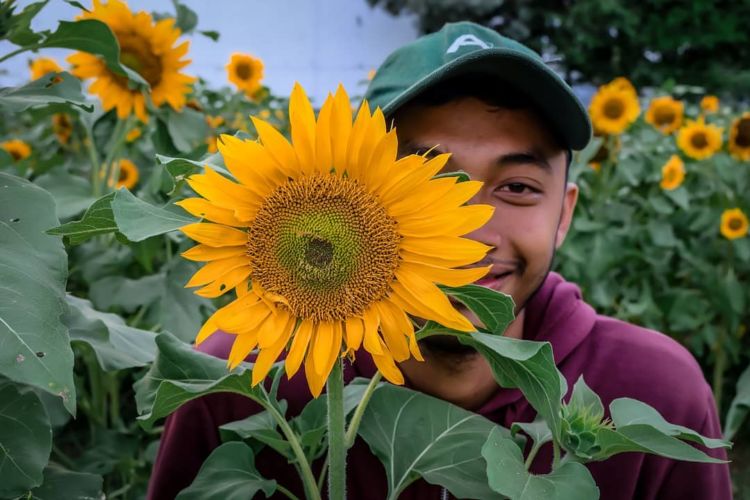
465,40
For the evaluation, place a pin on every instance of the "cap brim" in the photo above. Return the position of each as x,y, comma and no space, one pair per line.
543,86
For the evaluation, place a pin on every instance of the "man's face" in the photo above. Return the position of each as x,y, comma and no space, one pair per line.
523,170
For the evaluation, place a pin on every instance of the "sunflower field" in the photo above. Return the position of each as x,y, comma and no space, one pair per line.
122,184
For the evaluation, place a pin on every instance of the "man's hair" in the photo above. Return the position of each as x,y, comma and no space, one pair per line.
491,91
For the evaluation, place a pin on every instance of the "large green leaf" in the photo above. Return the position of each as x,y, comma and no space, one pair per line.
34,344
528,366
25,439
180,374
188,129
125,293
180,310
115,344
508,475
415,435
62,88
494,309
646,439
228,473
60,483
740,406
95,37
97,219
181,168
20,31
72,193
139,220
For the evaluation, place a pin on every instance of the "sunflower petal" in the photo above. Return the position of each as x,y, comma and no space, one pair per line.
224,283
463,251
447,277
456,222
268,335
323,151
215,235
200,207
241,348
314,381
428,301
388,368
215,269
278,147
354,332
302,119
204,253
269,355
341,128
393,330
299,348
371,338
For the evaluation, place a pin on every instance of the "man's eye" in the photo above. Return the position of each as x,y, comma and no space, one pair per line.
516,188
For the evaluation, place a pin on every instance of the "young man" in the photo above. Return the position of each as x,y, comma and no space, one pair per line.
511,122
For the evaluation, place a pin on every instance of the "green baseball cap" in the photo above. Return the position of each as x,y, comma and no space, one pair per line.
468,48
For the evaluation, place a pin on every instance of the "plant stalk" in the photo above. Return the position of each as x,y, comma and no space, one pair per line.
336,438
351,432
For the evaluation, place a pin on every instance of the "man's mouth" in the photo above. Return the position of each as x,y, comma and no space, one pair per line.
495,279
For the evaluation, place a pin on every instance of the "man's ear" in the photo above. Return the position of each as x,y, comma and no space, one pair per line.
566,216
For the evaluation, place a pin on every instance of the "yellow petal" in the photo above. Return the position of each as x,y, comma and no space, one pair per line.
314,381
251,164
421,200
224,283
209,328
299,348
380,160
278,147
323,151
359,130
341,128
201,207
371,339
323,344
428,301
269,333
204,253
388,368
414,348
355,330
216,269
224,193
394,330
215,235
302,120
244,317
459,251
243,345
447,277
372,138
456,222
270,354
390,193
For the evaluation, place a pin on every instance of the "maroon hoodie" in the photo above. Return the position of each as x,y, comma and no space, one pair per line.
617,360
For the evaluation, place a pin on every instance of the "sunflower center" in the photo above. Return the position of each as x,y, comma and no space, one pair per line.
743,133
614,108
699,140
735,224
325,245
670,175
136,53
243,71
15,154
664,115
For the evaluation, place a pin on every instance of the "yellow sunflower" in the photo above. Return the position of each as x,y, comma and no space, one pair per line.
211,143
672,173
127,175
734,224
739,137
43,65
17,149
699,140
62,127
665,114
146,47
710,104
330,238
614,108
623,83
214,121
134,134
245,72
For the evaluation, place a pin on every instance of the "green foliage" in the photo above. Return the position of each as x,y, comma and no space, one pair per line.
51,89
740,406
699,42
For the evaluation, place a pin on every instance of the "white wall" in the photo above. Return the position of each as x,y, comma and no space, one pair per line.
316,42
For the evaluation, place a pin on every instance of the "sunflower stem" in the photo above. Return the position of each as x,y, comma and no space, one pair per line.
88,142
336,438
118,139
20,51
351,432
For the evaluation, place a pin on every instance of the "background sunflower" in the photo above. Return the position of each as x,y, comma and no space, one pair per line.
699,140
665,114
17,149
734,224
739,137
614,107
672,173
245,72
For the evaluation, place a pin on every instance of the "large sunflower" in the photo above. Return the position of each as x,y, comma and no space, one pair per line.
699,140
245,72
330,239
665,114
148,48
614,108
739,137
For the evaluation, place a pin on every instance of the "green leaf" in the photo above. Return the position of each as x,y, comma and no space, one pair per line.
77,5
188,129
98,219
262,428
94,37
538,430
526,365
62,88
20,32
180,374
72,193
460,175
60,483
187,19
508,475
740,406
213,35
138,220
494,309
415,435
180,310
228,473
33,270
25,439
125,293
181,168
646,439
115,344
627,412
584,397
